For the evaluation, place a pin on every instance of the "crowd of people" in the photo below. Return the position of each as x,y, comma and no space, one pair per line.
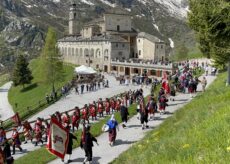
183,81
91,86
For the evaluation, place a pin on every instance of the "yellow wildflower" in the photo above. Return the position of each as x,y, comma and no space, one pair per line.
140,146
228,149
185,146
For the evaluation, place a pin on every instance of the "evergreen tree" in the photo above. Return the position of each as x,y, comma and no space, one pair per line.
21,73
211,21
181,52
51,60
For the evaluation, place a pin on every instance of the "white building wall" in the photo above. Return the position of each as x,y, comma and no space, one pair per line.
160,51
113,21
79,53
140,47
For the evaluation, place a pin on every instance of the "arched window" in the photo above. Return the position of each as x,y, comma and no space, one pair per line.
92,52
86,52
76,52
98,53
106,52
106,55
65,53
62,51
73,52
69,51
81,52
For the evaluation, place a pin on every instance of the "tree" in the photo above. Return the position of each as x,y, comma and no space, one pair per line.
211,21
51,60
21,73
181,52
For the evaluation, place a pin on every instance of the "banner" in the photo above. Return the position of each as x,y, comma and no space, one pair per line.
16,119
58,139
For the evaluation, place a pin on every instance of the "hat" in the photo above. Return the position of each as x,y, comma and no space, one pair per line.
87,127
112,117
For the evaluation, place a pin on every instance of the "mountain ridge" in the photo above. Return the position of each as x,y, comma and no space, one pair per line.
24,22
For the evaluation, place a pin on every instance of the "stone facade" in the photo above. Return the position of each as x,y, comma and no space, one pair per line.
108,38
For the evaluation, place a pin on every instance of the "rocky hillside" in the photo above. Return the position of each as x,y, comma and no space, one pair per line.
24,22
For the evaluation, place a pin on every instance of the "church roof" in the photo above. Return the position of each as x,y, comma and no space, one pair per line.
149,37
99,38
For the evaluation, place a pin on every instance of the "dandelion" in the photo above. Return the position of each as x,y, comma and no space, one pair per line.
147,141
185,146
228,149
140,146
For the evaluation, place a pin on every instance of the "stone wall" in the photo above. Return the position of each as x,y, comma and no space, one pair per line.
117,22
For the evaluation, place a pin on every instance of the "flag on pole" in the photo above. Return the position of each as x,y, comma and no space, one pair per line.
58,139
16,119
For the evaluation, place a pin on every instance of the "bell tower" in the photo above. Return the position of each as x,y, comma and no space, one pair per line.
73,19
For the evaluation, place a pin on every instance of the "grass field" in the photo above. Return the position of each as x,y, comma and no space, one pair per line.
31,95
198,133
4,78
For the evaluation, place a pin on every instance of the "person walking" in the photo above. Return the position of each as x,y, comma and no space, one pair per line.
70,144
203,83
144,114
113,127
124,114
7,152
76,118
16,140
82,88
76,89
87,143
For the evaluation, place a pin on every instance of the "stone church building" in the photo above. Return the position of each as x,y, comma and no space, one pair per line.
109,42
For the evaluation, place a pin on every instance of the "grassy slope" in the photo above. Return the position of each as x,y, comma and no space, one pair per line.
198,133
38,89
4,78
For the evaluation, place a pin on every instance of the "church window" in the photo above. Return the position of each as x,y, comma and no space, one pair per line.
65,51
120,53
139,52
75,15
69,51
157,46
123,45
73,52
118,27
81,52
116,44
161,46
139,40
76,51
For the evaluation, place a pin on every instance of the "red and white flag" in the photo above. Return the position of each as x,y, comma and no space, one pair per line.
58,139
16,119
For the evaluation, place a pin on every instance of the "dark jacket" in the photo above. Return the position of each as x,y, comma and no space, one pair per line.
6,150
89,140
124,111
71,137
70,144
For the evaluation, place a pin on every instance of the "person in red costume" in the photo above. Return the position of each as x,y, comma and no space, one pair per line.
16,140
93,112
76,118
